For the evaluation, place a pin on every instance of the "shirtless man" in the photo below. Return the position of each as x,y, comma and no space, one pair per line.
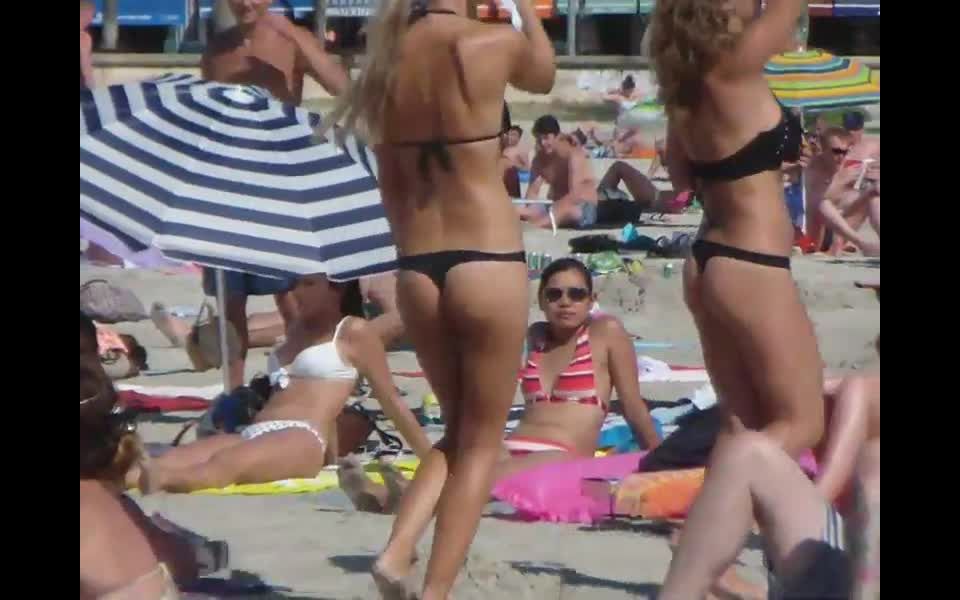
850,206
518,154
269,51
834,144
563,165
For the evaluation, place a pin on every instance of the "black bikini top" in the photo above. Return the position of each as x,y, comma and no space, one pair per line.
437,148
765,152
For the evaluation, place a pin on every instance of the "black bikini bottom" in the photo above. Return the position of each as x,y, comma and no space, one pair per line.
704,250
436,264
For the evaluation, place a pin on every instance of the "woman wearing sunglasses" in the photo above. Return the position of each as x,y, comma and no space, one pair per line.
574,361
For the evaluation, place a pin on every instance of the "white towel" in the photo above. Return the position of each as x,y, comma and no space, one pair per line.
515,19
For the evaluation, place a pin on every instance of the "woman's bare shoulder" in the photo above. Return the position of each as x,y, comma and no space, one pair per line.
607,327
479,38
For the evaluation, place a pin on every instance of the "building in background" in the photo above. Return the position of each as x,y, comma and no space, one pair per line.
605,27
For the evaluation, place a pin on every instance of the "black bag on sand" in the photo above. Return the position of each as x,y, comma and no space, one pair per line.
689,446
618,210
588,244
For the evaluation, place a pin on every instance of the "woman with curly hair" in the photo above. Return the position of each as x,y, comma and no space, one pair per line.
727,137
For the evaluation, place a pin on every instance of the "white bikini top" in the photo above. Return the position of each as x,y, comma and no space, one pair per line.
321,361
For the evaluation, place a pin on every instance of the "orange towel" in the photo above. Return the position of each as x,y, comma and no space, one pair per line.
658,495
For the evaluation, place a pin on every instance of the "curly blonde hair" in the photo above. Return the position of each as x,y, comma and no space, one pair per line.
686,38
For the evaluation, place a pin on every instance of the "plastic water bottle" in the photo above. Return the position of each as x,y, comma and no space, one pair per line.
431,409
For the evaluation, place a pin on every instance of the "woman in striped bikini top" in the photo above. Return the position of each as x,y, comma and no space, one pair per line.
602,358
575,384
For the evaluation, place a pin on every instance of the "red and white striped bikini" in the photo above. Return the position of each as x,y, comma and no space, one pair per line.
575,384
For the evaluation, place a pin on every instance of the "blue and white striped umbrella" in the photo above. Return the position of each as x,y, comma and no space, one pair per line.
227,176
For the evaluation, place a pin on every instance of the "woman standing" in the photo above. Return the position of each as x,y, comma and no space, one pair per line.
430,100
727,138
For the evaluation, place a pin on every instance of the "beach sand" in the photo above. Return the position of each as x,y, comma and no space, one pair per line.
316,546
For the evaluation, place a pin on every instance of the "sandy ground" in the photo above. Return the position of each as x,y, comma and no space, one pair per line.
316,546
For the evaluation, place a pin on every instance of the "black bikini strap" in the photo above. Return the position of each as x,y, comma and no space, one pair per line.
419,10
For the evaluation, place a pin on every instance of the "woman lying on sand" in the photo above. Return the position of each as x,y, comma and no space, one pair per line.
573,363
123,554
312,374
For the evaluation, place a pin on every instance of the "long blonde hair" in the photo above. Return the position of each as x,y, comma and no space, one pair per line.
686,38
361,109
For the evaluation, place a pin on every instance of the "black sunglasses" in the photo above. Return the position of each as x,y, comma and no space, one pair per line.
840,151
576,294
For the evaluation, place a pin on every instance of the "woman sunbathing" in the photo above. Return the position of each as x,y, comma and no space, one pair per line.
573,363
123,554
312,374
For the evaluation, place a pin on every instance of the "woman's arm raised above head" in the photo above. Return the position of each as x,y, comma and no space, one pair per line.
768,34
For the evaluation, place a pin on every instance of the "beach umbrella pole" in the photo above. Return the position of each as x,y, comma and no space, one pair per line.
222,329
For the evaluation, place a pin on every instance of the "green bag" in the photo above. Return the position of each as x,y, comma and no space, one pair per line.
605,262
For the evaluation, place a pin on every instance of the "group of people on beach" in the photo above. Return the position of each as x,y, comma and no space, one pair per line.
452,219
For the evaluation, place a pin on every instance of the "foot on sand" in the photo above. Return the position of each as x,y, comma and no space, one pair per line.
391,586
355,484
172,328
395,483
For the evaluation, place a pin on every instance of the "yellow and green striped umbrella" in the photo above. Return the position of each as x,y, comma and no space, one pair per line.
818,79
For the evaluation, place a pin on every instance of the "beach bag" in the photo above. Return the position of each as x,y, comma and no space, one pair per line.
585,244
354,426
108,303
689,446
618,210
203,343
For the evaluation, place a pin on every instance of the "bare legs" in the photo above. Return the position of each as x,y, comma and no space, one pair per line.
639,185
750,478
221,460
469,341
855,402
263,329
769,333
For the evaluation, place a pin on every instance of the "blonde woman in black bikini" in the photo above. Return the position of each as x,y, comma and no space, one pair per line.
430,100
727,137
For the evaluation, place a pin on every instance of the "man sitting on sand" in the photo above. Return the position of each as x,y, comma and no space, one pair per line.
853,197
834,144
518,154
579,201
563,165
267,50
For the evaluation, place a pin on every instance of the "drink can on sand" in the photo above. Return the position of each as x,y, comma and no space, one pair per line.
668,270
534,261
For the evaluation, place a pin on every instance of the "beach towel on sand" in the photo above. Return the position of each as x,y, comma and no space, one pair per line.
155,403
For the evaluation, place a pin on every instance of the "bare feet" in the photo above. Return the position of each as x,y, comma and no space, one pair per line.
358,487
390,585
149,481
395,483
174,329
